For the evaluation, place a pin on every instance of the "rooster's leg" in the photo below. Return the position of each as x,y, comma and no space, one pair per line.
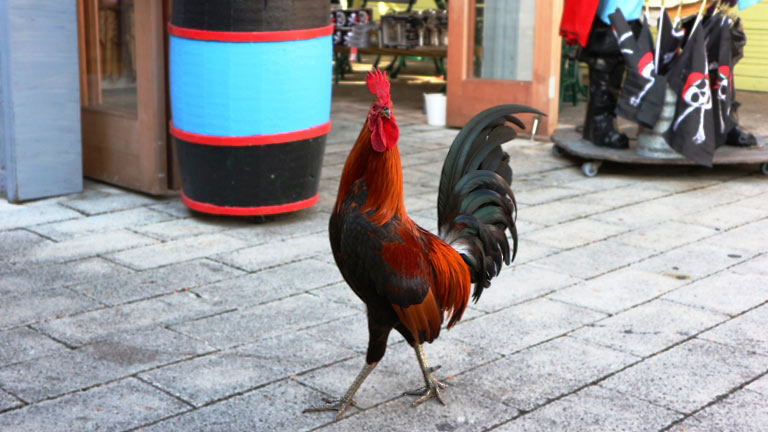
432,386
340,405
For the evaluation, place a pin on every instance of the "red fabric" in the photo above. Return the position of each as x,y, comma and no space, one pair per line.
577,20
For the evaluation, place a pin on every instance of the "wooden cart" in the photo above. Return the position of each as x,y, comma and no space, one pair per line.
569,141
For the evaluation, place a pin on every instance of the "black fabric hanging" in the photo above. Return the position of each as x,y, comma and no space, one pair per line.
692,130
721,75
669,40
642,95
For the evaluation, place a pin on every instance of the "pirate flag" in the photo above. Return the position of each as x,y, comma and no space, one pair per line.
668,42
720,75
642,95
692,131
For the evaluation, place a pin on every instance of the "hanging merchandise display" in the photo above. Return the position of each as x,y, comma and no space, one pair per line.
678,88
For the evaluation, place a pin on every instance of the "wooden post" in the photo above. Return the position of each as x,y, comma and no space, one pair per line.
40,142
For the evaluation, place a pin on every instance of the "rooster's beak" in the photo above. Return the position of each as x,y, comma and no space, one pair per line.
386,113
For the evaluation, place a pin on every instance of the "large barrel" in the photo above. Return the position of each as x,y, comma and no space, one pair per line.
250,85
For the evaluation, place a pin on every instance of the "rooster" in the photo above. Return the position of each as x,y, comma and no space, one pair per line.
409,278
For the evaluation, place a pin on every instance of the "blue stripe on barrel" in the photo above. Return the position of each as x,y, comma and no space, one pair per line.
234,89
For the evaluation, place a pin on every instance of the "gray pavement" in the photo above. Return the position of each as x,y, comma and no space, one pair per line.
639,301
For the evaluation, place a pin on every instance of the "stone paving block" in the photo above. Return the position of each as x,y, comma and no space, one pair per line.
93,202
340,293
8,402
746,331
154,282
27,308
104,323
759,202
25,216
755,266
187,249
351,332
31,278
277,407
688,376
522,325
17,242
521,283
203,380
574,233
117,406
725,292
86,246
595,259
123,355
595,409
277,253
646,213
283,226
693,261
173,207
534,376
622,196
742,411
747,240
760,385
618,290
398,371
556,212
101,223
23,343
545,194
649,328
532,251
665,235
724,217
263,321
272,284
188,227
465,410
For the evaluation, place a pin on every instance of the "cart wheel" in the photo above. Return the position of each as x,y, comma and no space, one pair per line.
764,168
590,169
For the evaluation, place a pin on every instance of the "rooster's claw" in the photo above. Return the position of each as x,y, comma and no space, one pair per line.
338,405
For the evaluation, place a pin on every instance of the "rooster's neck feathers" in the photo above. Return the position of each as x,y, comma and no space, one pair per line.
383,177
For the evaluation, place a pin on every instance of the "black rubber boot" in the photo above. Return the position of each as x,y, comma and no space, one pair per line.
606,71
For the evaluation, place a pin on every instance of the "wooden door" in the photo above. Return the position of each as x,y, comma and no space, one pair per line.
123,93
502,52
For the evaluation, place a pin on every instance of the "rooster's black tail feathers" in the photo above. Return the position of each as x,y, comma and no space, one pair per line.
475,204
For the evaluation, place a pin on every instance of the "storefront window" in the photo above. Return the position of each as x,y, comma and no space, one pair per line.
111,55
504,39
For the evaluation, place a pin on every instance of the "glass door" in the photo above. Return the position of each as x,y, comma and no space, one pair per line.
122,77
503,51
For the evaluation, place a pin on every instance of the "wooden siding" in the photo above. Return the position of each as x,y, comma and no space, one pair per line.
40,108
750,73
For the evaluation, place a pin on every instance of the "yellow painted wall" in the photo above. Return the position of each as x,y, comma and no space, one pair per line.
751,73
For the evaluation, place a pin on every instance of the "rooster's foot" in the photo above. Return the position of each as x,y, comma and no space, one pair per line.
431,390
338,405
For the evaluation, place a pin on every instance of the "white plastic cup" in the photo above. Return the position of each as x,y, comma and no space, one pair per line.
435,107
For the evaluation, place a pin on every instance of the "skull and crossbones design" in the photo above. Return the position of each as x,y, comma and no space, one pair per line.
646,69
697,94
723,87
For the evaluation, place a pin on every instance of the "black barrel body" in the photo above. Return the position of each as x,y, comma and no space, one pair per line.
250,85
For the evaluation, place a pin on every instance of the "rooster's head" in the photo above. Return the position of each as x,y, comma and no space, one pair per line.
381,120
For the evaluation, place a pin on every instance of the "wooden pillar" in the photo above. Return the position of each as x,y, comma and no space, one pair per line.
40,142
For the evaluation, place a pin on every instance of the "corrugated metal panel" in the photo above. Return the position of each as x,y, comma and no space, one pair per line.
751,73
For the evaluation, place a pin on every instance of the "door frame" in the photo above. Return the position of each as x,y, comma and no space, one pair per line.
124,148
468,95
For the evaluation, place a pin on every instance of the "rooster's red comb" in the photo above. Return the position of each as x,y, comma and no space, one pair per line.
378,84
